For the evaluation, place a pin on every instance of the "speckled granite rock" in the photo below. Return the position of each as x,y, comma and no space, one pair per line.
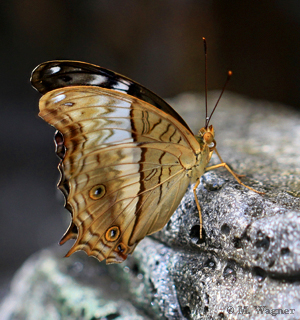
247,266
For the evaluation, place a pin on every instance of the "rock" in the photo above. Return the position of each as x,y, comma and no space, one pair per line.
50,287
246,266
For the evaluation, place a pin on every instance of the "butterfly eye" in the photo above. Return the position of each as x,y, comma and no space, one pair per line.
208,138
97,192
112,234
122,248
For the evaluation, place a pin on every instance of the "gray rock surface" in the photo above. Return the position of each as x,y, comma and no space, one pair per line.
247,266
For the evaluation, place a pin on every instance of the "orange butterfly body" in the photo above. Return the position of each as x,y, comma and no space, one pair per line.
127,157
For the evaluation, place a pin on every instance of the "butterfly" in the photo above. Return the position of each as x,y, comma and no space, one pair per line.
127,157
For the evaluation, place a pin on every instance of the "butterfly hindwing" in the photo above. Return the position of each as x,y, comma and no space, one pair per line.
124,167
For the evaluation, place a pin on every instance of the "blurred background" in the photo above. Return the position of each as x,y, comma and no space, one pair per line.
157,43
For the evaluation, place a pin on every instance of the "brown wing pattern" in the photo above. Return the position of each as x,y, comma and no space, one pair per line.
124,168
65,73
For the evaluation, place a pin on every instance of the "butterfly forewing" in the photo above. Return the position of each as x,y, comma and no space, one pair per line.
64,73
124,169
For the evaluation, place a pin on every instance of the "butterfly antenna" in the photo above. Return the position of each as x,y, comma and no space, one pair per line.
205,75
227,80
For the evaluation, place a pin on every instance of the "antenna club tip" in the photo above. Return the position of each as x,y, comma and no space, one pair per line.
229,73
203,38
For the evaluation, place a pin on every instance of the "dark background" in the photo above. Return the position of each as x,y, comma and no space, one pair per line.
157,43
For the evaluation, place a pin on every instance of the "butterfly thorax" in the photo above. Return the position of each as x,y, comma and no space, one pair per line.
205,138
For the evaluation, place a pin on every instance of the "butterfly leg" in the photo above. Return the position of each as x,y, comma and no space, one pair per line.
219,156
198,207
236,176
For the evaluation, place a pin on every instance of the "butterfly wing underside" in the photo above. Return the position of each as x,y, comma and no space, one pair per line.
123,170
56,74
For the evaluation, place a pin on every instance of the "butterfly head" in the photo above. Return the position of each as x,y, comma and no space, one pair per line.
207,137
